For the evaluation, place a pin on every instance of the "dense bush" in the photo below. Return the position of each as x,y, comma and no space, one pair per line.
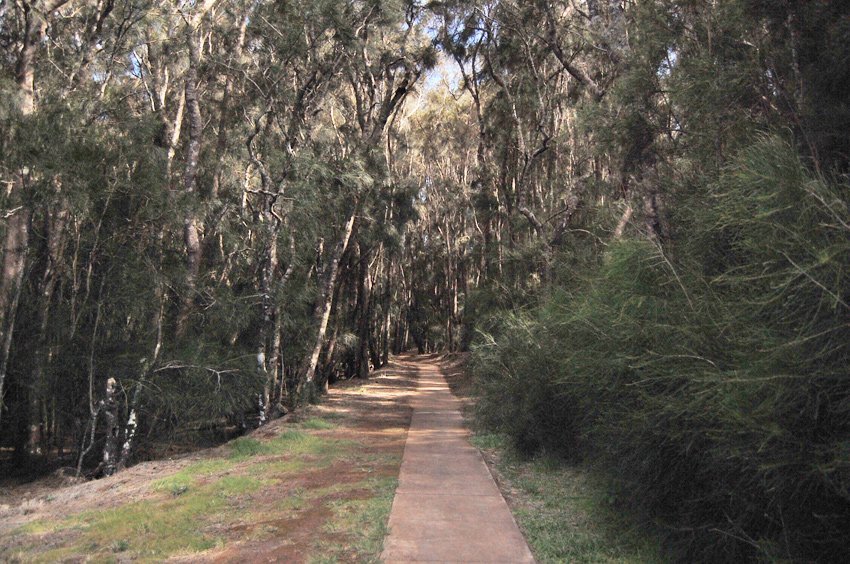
715,385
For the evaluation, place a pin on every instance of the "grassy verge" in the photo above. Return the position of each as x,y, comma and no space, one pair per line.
565,511
302,483
362,522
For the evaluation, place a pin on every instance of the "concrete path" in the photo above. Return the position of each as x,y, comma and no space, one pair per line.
447,507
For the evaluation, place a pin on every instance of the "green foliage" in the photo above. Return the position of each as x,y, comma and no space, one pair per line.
714,386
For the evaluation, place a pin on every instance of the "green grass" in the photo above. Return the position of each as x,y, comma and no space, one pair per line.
362,522
274,468
567,513
188,512
188,502
295,501
246,447
155,528
185,477
291,442
318,424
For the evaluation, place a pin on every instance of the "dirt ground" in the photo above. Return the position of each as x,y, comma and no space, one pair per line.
367,428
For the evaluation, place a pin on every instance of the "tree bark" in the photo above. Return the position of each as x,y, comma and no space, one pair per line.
624,222
132,426
267,351
328,281
14,264
109,462
364,291
55,225
191,235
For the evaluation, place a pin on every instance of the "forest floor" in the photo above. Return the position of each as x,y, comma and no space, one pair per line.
314,487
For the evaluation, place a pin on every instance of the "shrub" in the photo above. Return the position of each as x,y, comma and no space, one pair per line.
715,386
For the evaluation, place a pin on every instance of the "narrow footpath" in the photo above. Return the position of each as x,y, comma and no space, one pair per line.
447,508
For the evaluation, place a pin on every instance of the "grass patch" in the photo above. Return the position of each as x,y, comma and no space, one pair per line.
275,468
486,441
298,442
295,501
567,513
318,424
246,447
362,522
214,501
42,527
291,441
185,477
155,529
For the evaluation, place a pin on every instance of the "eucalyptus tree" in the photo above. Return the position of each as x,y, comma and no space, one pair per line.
25,26
387,56
49,85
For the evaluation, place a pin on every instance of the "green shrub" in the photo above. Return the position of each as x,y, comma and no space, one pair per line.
715,386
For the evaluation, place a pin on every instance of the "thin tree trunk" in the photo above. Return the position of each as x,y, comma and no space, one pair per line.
191,236
624,222
361,358
14,264
278,338
16,244
109,463
387,318
55,235
322,311
132,426
94,409
267,351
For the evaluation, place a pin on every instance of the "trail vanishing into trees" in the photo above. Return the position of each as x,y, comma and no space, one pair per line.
634,214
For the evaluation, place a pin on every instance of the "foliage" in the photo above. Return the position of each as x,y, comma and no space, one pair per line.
714,387
184,174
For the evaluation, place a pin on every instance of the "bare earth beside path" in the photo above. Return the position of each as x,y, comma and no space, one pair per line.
314,488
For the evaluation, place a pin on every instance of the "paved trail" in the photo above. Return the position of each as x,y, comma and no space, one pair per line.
447,507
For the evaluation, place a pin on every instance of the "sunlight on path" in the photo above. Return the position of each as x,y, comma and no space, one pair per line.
447,507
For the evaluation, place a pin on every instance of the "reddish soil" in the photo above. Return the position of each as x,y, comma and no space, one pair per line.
377,417
375,414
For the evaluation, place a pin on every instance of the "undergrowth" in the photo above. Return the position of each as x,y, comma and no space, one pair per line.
708,374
